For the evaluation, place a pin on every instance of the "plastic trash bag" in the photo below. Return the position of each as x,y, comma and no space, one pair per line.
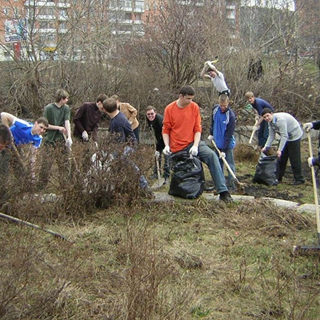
187,178
266,170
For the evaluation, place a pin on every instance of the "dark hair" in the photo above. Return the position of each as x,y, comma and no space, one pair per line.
44,121
5,135
266,110
61,94
187,91
151,108
101,97
110,105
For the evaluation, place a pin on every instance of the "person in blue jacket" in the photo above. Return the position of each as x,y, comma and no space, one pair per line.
261,125
223,123
122,133
25,133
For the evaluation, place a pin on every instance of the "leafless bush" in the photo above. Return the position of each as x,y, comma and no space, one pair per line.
147,278
91,178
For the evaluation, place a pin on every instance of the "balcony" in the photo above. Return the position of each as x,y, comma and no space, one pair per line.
63,5
45,30
32,3
45,17
126,9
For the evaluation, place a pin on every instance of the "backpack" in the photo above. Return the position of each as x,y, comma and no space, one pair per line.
187,177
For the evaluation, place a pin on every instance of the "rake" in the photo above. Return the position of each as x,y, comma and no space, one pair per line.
312,249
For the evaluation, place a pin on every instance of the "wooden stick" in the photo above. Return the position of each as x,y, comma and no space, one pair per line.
225,162
29,224
315,191
253,132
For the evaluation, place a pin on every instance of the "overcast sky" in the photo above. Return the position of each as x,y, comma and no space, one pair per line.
270,3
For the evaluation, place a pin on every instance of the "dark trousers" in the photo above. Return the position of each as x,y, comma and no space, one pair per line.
291,151
166,166
136,132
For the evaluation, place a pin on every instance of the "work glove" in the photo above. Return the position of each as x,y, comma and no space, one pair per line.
310,164
222,155
210,137
308,126
157,154
69,143
194,151
166,151
85,136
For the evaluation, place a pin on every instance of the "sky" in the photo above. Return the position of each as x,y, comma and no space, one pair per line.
271,3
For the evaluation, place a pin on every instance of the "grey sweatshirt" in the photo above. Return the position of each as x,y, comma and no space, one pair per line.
286,126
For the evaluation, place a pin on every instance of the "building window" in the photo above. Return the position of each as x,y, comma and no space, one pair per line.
140,5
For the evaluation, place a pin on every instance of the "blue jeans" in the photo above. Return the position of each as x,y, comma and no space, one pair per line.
230,161
143,183
209,157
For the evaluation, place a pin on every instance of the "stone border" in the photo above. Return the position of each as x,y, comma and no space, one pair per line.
302,208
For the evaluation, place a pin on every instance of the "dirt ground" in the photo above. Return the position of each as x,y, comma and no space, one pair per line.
246,159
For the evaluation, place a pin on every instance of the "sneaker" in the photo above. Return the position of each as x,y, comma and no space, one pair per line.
225,196
166,181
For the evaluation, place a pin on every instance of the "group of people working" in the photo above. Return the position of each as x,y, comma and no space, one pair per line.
268,124
53,131
178,129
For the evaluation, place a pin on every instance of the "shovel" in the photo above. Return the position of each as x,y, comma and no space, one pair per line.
314,249
227,165
159,183
253,132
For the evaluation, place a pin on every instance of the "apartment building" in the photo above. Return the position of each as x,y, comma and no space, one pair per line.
12,28
227,10
32,27
36,27
125,17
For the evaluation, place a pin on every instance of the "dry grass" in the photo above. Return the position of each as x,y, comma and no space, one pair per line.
135,259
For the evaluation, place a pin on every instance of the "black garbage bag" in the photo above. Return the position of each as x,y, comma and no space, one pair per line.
187,177
266,171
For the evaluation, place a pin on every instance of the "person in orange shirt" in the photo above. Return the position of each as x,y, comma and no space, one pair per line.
182,131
